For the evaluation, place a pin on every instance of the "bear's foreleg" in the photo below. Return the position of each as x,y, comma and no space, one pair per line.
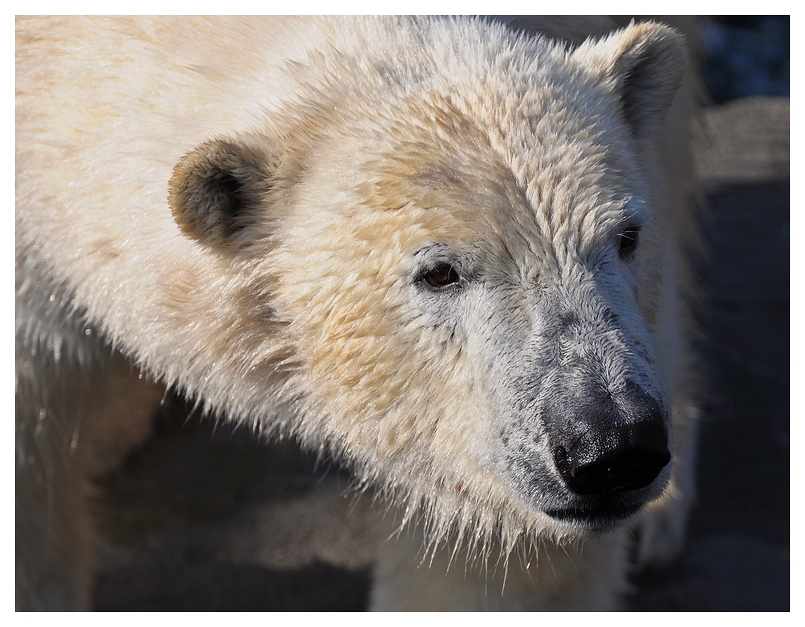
78,411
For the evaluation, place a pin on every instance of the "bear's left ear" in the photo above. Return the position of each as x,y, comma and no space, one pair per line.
218,190
645,63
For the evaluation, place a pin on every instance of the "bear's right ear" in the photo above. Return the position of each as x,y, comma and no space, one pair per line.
217,191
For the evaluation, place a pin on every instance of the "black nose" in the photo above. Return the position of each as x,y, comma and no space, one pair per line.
623,446
622,458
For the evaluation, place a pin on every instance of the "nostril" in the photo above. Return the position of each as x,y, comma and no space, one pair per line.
629,470
626,457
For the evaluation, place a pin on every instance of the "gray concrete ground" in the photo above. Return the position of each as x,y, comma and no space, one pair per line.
206,519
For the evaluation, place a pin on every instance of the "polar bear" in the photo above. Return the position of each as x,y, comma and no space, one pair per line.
448,251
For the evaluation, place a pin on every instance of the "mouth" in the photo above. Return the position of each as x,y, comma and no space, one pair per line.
598,518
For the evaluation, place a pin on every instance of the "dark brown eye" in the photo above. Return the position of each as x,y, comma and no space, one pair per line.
627,241
441,276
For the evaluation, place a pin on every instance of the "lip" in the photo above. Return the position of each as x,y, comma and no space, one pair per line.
595,518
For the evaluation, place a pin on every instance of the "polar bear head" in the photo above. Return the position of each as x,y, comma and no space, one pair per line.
455,230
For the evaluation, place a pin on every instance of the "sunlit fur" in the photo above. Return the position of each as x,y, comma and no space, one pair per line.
383,140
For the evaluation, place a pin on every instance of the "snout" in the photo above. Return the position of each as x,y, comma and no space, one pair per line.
610,444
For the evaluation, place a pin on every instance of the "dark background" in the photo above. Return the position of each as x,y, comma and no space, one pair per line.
747,55
201,518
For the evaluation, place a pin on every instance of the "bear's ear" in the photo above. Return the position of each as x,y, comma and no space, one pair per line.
217,191
645,63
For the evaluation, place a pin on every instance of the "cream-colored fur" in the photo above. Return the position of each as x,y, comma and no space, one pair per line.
247,210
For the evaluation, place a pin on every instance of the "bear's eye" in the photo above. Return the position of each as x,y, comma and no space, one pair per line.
627,241
441,276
